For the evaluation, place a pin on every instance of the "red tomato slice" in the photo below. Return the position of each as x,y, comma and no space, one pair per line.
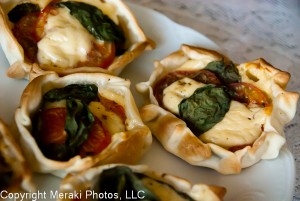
99,138
114,107
50,9
101,55
25,35
53,126
250,94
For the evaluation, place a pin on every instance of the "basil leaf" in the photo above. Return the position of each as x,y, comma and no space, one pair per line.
205,108
227,73
21,10
79,120
122,180
84,92
93,19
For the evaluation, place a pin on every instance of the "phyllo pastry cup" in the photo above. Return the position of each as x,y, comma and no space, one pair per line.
123,182
213,113
72,123
14,172
69,36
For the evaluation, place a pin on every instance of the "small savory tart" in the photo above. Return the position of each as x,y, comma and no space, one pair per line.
123,182
69,36
73,122
211,112
14,172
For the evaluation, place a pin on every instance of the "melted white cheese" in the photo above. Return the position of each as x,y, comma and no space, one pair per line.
240,126
65,43
177,91
163,191
112,95
110,120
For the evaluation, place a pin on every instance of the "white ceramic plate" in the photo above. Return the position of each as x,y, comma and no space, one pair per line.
265,181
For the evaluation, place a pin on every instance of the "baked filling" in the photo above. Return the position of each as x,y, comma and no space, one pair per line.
68,34
215,103
76,120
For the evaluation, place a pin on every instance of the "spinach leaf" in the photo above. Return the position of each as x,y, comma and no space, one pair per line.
120,180
21,10
227,73
79,120
205,108
93,19
84,92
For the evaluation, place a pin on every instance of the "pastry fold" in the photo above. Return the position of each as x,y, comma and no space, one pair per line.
127,145
227,148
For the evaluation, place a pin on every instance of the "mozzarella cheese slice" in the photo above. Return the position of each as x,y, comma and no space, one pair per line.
240,126
65,43
110,120
177,91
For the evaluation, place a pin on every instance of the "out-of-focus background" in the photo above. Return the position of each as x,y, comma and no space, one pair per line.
247,30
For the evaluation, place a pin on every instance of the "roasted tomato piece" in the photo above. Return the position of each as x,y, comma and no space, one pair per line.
24,32
101,55
42,20
99,138
249,94
207,77
53,126
114,107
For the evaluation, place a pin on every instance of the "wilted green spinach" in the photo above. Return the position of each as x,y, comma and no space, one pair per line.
205,108
78,118
93,19
227,73
120,180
